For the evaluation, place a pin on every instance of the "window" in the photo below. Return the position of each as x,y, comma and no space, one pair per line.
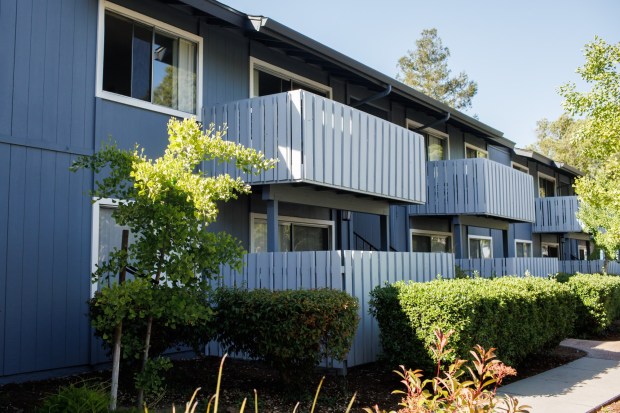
423,241
546,185
583,252
474,152
436,142
295,234
520,167
550,250
523,248
480,247
146,63
106,236
267,79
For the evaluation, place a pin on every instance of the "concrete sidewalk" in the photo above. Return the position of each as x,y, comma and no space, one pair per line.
577,387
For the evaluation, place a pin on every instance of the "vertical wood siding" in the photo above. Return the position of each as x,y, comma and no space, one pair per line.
477,187
356,272
589,267
492,267
317,140
557,214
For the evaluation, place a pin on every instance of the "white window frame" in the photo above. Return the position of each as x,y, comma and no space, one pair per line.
550,244
98,203
310,222
283,73
549,178
583,248
413,232
469,145
520,167
127,100
469,237
524,241
433,132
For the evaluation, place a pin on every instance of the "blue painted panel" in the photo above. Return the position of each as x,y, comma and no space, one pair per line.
15,261
498,243
36,83
499,154
5,162
8,18
21,70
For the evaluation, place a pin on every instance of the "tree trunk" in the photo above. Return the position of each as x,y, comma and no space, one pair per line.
149,327
118,331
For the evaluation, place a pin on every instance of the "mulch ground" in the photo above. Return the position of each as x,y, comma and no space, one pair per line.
373,384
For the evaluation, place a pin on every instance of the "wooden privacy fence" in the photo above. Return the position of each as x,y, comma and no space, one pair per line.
356,272
589,267
489,267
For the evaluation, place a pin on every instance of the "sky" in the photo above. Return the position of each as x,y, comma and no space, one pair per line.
519,52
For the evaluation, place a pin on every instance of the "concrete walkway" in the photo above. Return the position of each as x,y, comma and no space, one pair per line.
577,387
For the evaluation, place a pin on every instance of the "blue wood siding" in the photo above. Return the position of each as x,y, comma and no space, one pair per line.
557,214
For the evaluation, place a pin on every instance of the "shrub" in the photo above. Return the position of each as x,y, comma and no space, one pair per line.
82,398
180,316
519,316
290,330
598,301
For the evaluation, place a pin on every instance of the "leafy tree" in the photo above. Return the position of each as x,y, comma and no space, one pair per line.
426,69
558,140
599,139
167,204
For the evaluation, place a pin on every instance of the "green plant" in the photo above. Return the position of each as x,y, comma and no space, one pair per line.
458,388
151,381
598,301
519,316
167,203
291,330
81,397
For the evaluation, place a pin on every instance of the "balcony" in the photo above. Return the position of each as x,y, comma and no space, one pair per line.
477,187
556,215
325,143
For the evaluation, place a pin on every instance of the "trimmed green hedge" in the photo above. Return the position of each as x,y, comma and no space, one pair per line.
518,316
598,301
291,330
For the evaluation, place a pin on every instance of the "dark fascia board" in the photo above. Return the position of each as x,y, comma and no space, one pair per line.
527,153
270,27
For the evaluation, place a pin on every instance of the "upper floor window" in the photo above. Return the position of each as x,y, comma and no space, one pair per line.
546,186
147,63
472,151
436,142
520,167
268,79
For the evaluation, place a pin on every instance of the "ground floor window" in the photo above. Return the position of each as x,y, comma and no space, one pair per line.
583,252
523,248
295,234
550,250
480,247
427,241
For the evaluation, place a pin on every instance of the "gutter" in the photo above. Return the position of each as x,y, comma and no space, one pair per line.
527,153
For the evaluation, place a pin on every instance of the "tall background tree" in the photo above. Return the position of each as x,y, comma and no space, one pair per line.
599,140
426,69
557,140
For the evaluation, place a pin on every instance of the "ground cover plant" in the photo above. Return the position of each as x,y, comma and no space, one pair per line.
519,316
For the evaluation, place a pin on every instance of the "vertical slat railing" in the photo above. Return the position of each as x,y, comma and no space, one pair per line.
477,187
498,267
557,214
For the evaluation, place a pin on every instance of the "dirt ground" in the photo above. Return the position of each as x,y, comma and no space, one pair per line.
373,384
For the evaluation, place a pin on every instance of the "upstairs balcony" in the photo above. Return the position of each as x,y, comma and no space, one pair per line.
326,144
556,215
477,187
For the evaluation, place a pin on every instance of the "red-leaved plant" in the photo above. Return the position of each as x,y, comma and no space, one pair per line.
460,388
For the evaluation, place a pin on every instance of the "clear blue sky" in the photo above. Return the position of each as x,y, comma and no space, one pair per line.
518,51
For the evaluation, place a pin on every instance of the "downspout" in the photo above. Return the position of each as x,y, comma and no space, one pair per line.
379,95
435,123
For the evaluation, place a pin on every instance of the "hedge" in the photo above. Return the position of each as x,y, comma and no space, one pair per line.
292,330
598,301
518,316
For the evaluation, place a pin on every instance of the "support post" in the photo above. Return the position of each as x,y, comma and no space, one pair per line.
273,233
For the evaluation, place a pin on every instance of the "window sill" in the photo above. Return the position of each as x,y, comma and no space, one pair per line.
125,100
